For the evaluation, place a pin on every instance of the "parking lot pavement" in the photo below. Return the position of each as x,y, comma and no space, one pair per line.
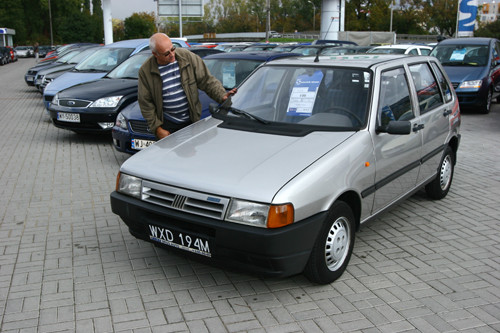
67,263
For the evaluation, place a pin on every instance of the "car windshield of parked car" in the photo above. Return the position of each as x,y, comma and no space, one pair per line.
231,72
67,57
81,55
327,97
104,60
461,55
387,50
129,69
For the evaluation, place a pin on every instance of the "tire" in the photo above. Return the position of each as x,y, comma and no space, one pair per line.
333,248
487,106
439,187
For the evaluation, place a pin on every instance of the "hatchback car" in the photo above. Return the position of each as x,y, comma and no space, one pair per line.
281,176
4,55
473,65
24,51
131,132
93,106
95,66
411,49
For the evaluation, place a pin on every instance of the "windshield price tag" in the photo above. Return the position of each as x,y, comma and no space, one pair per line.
304,94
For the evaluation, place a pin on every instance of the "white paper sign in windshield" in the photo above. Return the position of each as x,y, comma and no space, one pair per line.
303,94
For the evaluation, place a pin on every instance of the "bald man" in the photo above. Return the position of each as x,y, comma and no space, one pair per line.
168,87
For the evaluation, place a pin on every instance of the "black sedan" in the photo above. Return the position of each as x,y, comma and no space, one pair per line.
93,106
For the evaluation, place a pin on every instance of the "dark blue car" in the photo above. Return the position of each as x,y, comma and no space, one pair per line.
131,132
473,66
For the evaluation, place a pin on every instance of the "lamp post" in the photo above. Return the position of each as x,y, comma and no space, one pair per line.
314,15
50,22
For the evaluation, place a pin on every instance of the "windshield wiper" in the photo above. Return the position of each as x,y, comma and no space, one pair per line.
214,107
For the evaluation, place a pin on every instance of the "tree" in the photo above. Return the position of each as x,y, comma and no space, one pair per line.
140,25
441,15
488,30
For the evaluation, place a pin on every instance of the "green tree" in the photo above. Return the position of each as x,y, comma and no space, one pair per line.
488,30
140,25
441,16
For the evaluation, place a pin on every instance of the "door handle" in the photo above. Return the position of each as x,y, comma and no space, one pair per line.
417,127
446,113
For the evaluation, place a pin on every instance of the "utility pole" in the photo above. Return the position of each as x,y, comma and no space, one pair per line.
268,20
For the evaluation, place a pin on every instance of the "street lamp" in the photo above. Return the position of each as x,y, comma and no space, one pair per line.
314,15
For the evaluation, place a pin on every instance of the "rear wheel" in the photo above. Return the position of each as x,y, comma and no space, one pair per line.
333,248
439,187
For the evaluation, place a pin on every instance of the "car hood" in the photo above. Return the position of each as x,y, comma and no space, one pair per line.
232,163
61,67
70,79
465,73
94,90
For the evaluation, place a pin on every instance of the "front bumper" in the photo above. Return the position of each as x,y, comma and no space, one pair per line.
270,252
89,120
122,139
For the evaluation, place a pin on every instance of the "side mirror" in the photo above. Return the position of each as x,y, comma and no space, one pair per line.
400,127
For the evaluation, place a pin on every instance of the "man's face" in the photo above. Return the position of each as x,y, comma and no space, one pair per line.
165,51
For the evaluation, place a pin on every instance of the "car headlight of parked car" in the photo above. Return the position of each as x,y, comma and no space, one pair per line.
129,185
121,121
476,84
55,99
260,215
106,102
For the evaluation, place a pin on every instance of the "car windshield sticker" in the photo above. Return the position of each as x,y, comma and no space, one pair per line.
228,74
458,54
303,94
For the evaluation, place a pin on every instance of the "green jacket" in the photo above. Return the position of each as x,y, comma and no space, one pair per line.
194,76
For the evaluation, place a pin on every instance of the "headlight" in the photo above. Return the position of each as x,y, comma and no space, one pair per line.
55,100
260,215
106,102
129,185
471,84
121,121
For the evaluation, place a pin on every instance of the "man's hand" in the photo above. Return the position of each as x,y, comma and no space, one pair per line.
161,133
230,93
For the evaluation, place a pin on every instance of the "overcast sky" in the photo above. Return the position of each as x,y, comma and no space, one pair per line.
121,9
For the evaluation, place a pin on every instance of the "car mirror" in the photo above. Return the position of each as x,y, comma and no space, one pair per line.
396,127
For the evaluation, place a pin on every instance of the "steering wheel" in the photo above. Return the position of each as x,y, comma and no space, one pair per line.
346,111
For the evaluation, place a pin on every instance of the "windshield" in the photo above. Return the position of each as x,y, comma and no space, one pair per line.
104,60
333,98
387,50
231,72
67,56
461,55
81,55
129,69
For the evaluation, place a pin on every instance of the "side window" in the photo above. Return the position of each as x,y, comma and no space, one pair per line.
413,52
395,102
425,51
445,88
428,92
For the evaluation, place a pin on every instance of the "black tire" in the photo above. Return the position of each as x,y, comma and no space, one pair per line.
487,106
439,187
333,248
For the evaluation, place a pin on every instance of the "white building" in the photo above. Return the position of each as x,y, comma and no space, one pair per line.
489,11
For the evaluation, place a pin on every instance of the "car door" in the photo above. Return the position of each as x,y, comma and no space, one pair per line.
397,155
435,104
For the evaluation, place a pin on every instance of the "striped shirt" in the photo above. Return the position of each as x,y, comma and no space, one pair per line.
175,104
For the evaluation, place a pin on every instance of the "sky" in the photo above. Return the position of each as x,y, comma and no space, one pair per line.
121,9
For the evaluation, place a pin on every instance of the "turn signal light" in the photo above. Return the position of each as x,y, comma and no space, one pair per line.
280,216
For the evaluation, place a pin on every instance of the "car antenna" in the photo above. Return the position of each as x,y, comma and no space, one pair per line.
317,57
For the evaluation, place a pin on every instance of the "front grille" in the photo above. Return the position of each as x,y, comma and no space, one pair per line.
139,126
74,103
187,201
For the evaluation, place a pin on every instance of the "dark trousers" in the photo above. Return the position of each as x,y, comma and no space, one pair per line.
174,127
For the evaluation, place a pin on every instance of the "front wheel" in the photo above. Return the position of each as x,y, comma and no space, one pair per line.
439,187
333,248
487,106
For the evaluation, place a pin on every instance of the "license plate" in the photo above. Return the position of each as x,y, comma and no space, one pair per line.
141,144
180,240
69,117
30,78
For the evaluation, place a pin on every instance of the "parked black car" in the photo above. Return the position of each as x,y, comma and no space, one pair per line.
4,55
93,106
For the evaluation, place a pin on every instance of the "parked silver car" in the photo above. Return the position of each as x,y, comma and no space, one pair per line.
281,176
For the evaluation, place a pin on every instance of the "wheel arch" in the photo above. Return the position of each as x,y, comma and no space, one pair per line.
353,200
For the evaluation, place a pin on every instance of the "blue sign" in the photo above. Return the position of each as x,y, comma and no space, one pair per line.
467,18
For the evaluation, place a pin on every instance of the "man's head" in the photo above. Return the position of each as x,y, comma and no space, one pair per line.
162,48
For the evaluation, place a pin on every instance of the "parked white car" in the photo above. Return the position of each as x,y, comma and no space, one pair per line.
411,49
281,176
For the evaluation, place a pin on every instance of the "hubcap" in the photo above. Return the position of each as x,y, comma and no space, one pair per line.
337,244
445,173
